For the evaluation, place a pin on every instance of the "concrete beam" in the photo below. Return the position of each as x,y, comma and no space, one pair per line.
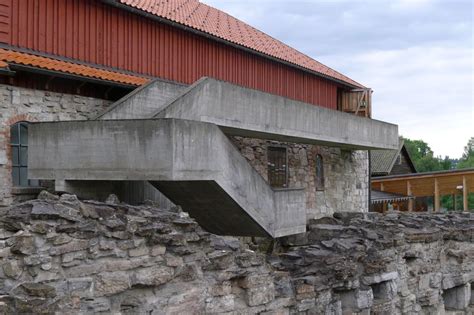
193,163
251,113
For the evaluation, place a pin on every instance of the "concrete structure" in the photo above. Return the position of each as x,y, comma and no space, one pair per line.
189,158
144,101
293,144
246,112
192,163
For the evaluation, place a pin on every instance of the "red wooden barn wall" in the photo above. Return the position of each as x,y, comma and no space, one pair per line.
93,32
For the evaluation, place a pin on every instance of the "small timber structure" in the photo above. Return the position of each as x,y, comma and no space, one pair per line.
428,184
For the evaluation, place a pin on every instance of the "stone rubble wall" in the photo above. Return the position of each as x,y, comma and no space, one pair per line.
61,255
345,174
22,104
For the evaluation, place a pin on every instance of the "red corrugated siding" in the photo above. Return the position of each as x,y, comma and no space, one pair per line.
93,32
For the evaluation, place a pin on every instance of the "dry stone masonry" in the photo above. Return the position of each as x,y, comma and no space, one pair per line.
65,256
22,104
345,174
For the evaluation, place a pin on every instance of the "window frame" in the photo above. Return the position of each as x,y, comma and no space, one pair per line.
281,148
19,155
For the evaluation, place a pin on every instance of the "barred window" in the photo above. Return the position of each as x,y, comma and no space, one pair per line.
19,149
277,167
319,172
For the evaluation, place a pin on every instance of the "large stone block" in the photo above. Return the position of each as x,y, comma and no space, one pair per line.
152,276
260,295
457,298
110,283
220,304
356,299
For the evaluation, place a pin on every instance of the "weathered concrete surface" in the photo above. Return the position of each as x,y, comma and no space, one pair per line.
144,101
60,255
193,163
245,112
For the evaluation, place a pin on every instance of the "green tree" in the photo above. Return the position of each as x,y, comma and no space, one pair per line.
467,159
423,157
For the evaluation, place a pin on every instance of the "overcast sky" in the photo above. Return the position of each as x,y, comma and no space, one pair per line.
417,56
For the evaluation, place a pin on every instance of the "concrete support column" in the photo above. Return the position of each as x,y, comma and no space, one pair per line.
436,195
464,193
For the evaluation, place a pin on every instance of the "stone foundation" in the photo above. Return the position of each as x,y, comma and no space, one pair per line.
66,256
345,172
21,104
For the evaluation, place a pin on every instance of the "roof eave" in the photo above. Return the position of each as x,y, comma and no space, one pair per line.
66,75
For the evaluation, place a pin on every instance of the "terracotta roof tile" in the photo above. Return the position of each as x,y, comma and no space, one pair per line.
26,59
202,17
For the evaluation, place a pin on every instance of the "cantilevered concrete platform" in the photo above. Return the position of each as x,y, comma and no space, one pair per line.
252,113
192,163
175,137
246,112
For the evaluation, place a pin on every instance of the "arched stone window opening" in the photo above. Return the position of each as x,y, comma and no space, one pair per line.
19,155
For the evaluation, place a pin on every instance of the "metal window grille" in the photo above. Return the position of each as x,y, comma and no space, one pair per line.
319,172
277,167
19,148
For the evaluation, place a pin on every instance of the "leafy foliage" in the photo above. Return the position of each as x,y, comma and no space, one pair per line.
467,160
423,157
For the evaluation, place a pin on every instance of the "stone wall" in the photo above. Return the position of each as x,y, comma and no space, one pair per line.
61,255
20,104
345,173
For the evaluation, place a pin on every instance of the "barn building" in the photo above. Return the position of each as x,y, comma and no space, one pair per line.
176,100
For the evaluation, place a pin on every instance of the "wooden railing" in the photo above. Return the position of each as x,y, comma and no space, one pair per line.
357,102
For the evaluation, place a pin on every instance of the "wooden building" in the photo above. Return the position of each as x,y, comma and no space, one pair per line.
388,163
179,40
391,162
70,59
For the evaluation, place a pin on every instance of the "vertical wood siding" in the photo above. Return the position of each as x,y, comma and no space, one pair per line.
5,20
94,32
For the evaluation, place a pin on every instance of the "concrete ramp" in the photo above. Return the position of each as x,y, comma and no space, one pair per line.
193,163
144,101
252,113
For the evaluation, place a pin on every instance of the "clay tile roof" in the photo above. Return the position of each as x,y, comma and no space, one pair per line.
47,63
207,19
